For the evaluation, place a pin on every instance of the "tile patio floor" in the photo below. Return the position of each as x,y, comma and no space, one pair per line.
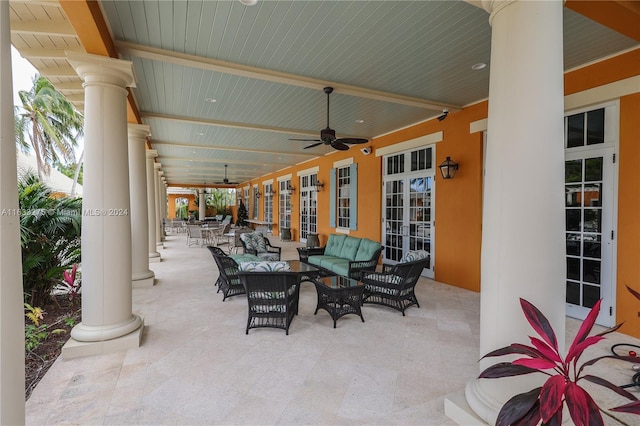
197,366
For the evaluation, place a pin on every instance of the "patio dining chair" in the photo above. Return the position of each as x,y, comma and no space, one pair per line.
195,236
272,294
228,281
395,285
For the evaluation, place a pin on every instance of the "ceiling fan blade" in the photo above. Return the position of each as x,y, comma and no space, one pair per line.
339,145
353,141
306,140
313,145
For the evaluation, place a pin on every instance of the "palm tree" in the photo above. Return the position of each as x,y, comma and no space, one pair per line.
49,123
49,235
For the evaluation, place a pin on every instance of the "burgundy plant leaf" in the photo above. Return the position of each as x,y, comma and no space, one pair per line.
536,363
587,324
531,418
514,348
556,420
632,291
610,330
545,350
517,407
582,408
607,384
576,350
540,323
551,397
632,407
505,369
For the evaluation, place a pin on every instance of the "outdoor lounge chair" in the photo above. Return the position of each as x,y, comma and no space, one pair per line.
272,296
255,243
395,285
228,281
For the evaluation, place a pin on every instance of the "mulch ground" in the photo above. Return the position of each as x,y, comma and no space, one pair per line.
38,361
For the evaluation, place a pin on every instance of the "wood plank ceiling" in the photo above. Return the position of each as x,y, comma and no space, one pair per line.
223,83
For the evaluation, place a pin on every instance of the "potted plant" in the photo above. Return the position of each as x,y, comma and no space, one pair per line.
545,404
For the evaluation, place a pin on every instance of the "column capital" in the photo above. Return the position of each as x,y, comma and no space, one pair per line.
151,153
138,130
102,69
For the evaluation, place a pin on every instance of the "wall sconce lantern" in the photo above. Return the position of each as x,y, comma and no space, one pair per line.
258,193
290,188
272,192
319,185
448,168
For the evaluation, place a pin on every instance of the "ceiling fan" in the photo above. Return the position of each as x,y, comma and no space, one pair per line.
328,135
225,181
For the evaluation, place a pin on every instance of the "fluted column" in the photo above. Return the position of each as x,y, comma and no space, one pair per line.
11,313
108,324
151,154
523,189
158,219
202,207
141,276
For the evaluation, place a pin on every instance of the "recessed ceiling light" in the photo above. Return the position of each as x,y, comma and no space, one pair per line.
249,2
210,100
199,134
359,121
478,66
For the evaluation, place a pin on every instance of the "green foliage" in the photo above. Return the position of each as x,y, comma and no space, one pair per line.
69,171
243,215
48,123
36,333
49,236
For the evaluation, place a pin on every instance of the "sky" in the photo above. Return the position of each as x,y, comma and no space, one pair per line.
23,73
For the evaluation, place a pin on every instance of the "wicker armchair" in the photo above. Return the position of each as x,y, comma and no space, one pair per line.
395,285
228,281
272,298
255,243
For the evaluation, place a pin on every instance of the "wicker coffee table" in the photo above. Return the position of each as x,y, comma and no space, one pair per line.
339,296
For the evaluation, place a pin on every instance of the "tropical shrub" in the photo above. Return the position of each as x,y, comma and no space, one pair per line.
545,404
36,333
49,237
71,284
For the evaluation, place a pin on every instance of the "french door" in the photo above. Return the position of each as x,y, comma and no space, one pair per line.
308,207
590,199
408,209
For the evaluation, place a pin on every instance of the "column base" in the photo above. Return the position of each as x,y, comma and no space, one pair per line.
159,246
457,409
75,349
141,280
154,256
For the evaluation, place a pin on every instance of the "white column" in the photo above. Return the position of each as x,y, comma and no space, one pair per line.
202,208
523,210
141,276
154,256
108,324
165,197
11,312
158,219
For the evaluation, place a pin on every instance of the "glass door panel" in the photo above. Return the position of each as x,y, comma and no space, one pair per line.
588,215
394,220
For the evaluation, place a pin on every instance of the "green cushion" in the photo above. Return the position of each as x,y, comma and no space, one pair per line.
327,262
334,244
367,249
340,267
244,258
350,248
264,266
315,260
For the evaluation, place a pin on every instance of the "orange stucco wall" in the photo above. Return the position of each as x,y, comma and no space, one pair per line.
171,208
628,306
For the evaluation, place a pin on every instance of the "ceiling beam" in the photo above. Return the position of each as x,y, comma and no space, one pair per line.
55,27
621,16
205,122
63,71
42,53
225,67
70,86
227,148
